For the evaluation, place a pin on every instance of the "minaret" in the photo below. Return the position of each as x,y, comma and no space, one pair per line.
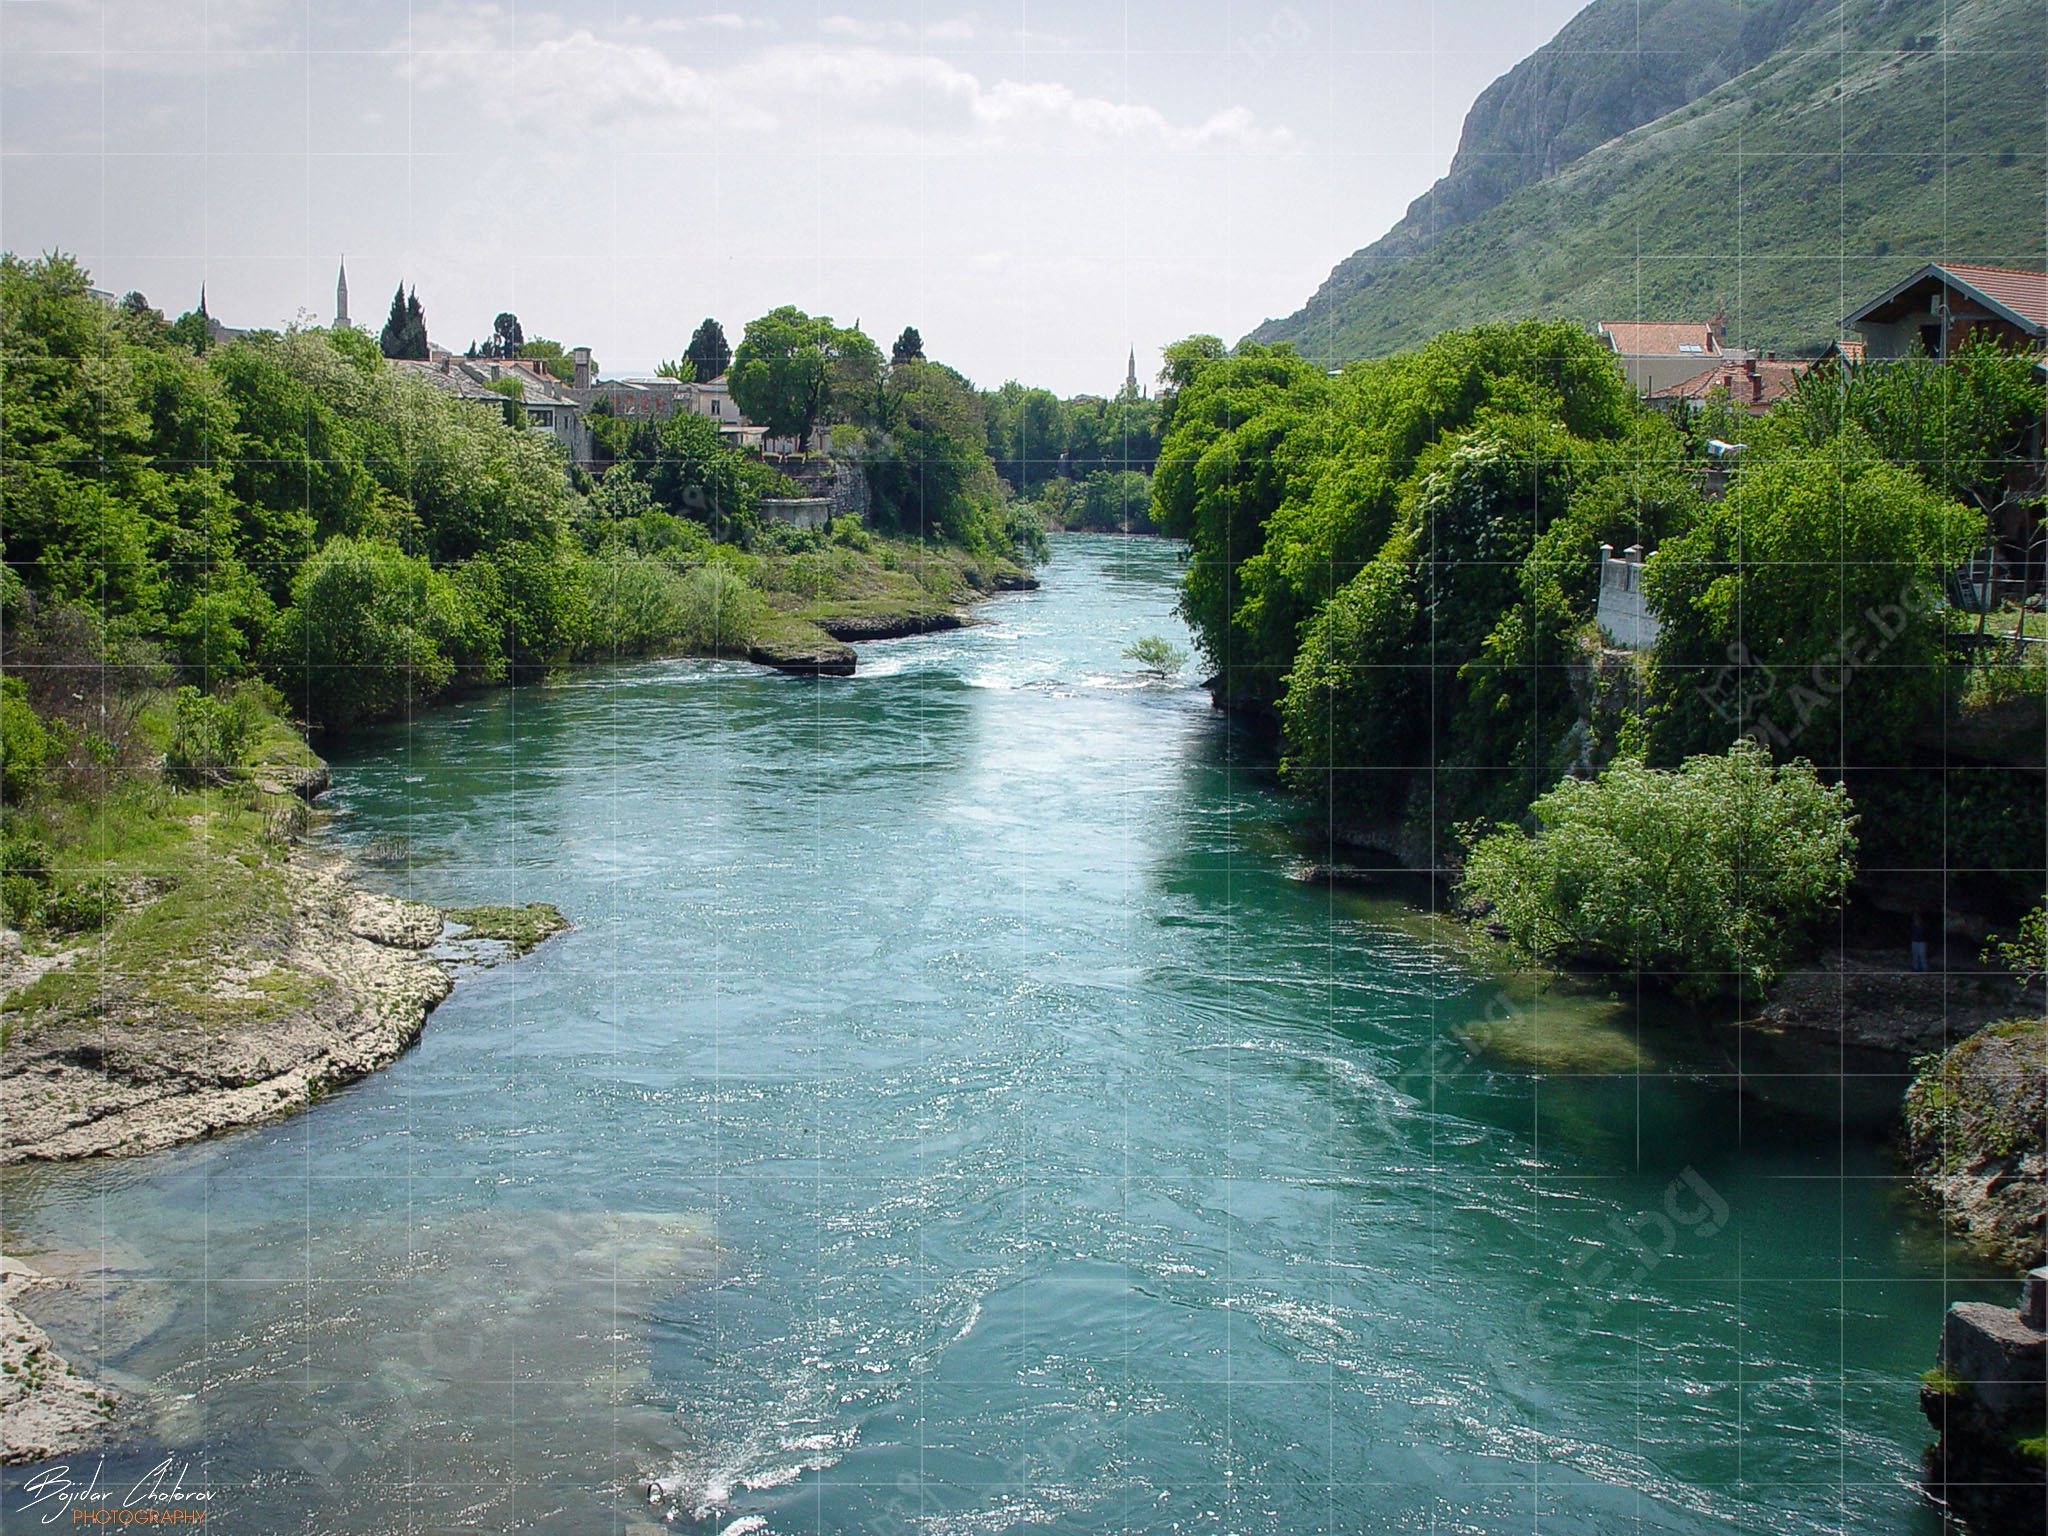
341,320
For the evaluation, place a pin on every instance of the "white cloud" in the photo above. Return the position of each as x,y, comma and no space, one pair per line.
576,80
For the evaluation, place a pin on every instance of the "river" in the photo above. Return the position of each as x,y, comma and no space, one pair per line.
952,1113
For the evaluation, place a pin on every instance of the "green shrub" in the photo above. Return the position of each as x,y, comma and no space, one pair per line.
210,742
1708,875
24,876
635,603
82,908
370,632
1156,653
1025,527
720,612
2026,953
24,743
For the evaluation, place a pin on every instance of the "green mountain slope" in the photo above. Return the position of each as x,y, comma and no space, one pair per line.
1871,136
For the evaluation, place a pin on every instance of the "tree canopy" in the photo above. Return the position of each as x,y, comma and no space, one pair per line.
791,368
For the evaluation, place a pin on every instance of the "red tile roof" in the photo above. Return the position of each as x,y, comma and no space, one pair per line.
2024,293
1752,384
1653,338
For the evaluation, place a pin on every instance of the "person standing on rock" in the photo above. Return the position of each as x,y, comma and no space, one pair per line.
1918,936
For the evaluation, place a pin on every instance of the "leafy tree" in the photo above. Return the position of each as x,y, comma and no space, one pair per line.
76,484
1704,879
1221,477
1805,607
553,357
370,632
1155,653
909,347
192,332
1113,501
927,462
690,470
143,324
405,328
708,355
1967,427
790,366
533,601
1027,435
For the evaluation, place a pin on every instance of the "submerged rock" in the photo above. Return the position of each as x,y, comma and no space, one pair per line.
46,1408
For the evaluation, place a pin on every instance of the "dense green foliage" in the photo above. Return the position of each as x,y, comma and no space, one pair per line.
1868,138
292,507
792,369
1805,607
1966,426
1037,439
1708,876
927,463
1398,560
1400,564
288,505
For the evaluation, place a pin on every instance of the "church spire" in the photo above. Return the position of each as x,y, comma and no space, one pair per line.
341,320
1131,376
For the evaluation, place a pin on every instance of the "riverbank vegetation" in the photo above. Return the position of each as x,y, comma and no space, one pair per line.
213,544
1397,566
1707,878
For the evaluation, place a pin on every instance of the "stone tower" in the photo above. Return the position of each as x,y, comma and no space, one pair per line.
1131,375
341,320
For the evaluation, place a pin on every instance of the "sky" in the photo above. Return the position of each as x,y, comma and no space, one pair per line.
1038,187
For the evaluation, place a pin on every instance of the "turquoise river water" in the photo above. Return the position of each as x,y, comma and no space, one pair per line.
952,1113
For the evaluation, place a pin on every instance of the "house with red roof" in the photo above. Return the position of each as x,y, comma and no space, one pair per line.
1752,384
1937,307
1658,354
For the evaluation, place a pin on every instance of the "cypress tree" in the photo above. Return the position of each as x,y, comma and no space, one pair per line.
392,340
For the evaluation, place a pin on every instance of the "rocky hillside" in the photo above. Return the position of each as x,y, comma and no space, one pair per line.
1771,160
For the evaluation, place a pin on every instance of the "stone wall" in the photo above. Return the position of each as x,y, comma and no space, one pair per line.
1625,618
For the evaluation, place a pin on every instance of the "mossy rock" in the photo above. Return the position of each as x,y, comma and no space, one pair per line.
523,928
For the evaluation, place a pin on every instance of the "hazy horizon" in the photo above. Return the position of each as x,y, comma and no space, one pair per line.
1038,188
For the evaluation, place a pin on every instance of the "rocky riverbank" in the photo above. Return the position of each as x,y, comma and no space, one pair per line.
46,1408
242,994
237,994
820,604
1974,1132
